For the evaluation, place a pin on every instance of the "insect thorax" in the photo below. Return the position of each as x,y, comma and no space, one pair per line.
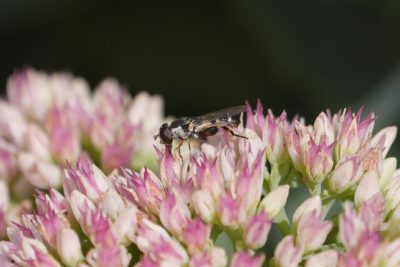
179,132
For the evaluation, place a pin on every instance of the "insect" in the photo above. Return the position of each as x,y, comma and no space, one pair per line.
201,127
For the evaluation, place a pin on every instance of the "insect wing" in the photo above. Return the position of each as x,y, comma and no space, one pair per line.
220,118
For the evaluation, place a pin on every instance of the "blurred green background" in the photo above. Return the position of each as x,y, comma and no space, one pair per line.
301,56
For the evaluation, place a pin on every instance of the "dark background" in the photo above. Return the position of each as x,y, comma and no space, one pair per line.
301,56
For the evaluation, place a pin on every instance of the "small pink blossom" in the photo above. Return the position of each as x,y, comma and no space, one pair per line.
274,201
147,112
144,190
256,230
23,249
203,204
174,214
159,247
312,204
64,137
42,174
347,172
230,211
29,90
313,156
214,258
368,187
311,232
69,247
388,135
87,178
352,132
13,125
196,235
286,253
327,258
244,259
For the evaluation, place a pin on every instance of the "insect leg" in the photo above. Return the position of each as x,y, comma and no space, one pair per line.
179,149
230,131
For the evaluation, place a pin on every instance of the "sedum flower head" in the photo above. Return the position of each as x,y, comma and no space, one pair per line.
106,194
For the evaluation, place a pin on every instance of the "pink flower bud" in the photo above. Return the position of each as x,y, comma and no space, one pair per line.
312,157
45,227
311,232
352,132
208,177
230,211
15,212
80,204
110,99
347,172
204,205
286,254
247,259
24,250
108,255
155,242
87,178
174,214
249,183
112,203
323,128
53,202
119,152
273,136
12,124
312,204
393,193
215,258
69,90
98,227
387,134
38,143
144,189
64,139
148,112
126,224
69,247
30,91
368,187
371,212
256,230
252,149
389,168
196,235
389,254
41,174
327,258
351,227
274,201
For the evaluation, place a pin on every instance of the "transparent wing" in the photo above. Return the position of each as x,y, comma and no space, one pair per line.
225,117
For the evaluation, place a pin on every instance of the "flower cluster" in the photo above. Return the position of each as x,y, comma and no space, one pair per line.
113,197
48,120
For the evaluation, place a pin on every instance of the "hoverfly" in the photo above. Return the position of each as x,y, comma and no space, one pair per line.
201,127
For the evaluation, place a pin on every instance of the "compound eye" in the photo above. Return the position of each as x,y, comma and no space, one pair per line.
165,134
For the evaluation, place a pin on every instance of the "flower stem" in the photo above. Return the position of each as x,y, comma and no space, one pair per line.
283,223
327,205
